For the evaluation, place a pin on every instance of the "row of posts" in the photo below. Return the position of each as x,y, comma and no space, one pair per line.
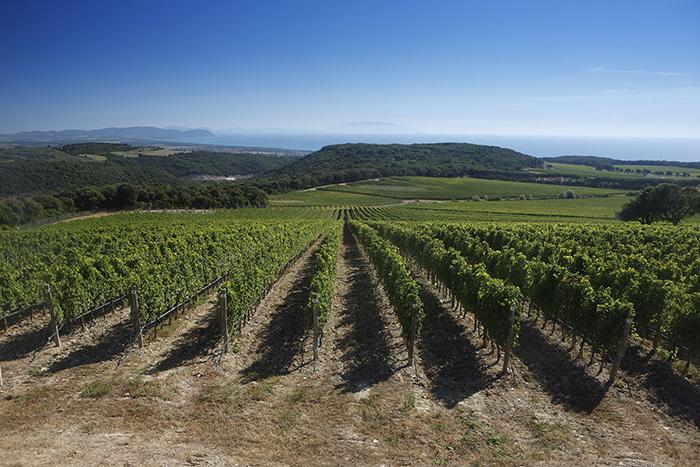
223,317
314,300
136,324
509,343
314,310
53,324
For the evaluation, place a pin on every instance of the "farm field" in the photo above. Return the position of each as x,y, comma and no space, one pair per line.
656,171
586,210
461,188
320,197
180,400
676,172
557,169
149,151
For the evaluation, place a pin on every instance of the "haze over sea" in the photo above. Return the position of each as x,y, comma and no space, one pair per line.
667,149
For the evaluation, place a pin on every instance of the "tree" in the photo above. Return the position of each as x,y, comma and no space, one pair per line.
639,209
664,202
8,216
127,195
88,199
679,202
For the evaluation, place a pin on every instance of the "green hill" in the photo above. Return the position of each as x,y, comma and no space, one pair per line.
42,176
42,170
352,162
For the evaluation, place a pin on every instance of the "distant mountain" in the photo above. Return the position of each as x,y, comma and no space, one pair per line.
185,128
130,134
363,128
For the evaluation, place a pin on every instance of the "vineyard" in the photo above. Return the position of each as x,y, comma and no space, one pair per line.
406,334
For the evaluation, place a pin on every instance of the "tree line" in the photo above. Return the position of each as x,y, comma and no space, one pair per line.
16,211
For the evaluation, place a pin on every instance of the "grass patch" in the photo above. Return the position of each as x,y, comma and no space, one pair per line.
260,389
94,157
147,151
36,393
219,394
373,413
153,389
168,329
549,435
96,389
299,396
494,439
286,421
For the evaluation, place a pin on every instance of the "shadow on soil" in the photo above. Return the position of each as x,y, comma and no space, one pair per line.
448,356
284,338
367,349
680,397
552,366
112,341
23,344
195,343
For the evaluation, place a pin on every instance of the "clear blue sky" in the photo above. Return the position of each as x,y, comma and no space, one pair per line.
615,68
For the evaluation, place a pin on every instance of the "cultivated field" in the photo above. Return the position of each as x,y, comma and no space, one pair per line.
99,399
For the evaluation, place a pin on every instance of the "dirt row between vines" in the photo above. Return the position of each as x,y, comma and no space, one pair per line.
179,401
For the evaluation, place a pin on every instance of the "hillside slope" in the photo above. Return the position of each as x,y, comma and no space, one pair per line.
352,162
41,170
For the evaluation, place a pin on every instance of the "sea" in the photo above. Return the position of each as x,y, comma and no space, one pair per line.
658,149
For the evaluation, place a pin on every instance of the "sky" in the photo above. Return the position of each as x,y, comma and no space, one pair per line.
515,67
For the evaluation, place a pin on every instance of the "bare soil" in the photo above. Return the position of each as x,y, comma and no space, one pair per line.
179,401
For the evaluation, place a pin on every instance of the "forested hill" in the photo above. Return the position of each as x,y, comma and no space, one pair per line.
41,170
351,162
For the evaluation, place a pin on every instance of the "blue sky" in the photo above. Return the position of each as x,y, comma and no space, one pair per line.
592,68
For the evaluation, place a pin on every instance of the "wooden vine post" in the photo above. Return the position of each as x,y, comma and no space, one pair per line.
135,318
412,336
621,348
53,325
657,336
314,310
509,340
223,305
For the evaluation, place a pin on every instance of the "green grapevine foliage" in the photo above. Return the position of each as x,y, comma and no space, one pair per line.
402,290
324,277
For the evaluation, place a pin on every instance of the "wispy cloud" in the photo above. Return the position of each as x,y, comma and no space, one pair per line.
636,72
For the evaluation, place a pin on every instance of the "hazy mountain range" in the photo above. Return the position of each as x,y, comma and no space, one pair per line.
134,133
171,132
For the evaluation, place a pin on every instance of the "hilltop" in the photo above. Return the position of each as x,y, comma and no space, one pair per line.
351,162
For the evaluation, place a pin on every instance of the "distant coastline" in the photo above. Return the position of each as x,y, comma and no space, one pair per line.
668,149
